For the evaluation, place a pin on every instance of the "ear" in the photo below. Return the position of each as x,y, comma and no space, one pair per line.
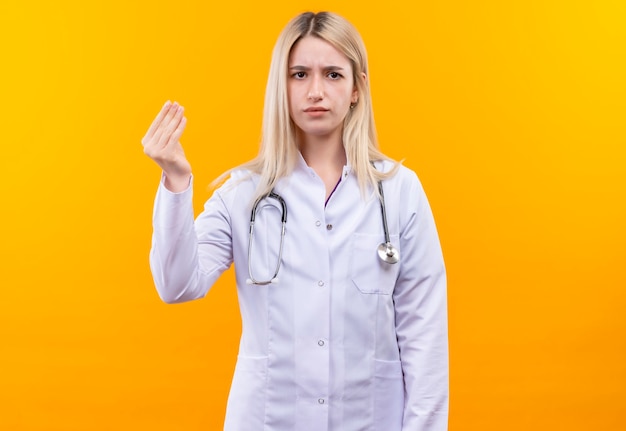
355,91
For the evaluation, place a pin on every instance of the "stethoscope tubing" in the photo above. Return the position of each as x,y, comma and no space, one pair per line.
383,212
274,279
386,251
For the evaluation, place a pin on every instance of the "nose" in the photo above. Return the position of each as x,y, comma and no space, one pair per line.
316,90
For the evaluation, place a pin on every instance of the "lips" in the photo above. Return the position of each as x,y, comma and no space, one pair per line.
316,109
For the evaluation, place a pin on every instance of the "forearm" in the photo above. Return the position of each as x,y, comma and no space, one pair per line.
174,252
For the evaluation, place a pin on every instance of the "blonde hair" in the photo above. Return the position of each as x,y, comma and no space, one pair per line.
278,154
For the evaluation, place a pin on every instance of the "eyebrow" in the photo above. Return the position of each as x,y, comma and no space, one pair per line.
305,68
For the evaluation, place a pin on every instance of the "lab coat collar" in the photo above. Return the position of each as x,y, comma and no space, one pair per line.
302,166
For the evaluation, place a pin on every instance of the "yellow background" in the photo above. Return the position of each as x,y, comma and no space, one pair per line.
512,113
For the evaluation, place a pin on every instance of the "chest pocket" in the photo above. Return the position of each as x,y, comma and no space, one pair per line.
368,272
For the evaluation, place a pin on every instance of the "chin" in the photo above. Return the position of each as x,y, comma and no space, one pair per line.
318,132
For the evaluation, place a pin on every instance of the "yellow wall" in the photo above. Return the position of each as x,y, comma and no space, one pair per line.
512,113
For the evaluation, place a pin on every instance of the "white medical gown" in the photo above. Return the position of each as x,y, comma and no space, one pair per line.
343,341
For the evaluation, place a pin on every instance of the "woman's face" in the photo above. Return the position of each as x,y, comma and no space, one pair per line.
320,87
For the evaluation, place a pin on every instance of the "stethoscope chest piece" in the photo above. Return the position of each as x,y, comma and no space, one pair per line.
388,253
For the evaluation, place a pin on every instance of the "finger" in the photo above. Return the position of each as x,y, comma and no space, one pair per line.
157,121
178,131
167,119
168,126
169,122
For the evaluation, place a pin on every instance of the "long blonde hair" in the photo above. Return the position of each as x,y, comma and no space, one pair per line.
278,154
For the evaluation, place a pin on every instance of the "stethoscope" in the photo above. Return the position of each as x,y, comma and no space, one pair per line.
386,251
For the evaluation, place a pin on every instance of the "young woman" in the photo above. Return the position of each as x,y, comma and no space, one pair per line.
340,275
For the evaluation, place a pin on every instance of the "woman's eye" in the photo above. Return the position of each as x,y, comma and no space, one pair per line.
334,75
299,75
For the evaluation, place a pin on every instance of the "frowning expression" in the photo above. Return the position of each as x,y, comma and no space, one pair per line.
320,87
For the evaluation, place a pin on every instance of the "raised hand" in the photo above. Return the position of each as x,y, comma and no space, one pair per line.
162,144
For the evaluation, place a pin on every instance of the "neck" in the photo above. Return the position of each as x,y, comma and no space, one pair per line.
326,157
323,153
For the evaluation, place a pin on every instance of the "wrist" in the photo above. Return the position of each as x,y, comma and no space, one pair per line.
176,183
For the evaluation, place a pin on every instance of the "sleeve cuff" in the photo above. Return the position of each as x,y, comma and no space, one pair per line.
171,208
166,191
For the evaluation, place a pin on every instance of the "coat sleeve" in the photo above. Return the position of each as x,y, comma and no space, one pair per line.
420,301
187,257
